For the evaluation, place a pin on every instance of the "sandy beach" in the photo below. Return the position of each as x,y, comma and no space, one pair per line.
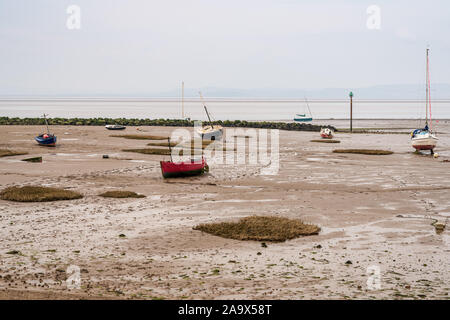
373,211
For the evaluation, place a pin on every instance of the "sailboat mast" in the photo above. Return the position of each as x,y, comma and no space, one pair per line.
170,149
46,123
429,86
182,99
206,110
307,104
207,113
426,98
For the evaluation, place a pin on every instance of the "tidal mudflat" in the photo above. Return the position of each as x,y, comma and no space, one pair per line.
373,212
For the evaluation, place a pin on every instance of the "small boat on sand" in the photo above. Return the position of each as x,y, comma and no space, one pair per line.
424,139
170,169
326,133
115,127
46,139
194,167
209,132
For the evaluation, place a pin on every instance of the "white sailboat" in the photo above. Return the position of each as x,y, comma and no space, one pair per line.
209,132
424,139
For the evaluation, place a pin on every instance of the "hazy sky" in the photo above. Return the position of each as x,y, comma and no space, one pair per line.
143,47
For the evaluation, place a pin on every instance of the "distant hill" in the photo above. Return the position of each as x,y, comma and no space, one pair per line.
381,92
438,91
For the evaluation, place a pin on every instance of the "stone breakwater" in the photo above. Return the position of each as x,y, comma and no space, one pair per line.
290,126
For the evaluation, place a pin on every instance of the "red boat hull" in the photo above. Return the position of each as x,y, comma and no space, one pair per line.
326,136
425,147
171,169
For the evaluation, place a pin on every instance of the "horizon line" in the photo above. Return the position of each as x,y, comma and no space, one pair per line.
211,99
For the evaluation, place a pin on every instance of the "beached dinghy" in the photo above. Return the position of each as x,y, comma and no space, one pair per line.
170,169
115,127
194,167
424,139
326,133
209,132
46,139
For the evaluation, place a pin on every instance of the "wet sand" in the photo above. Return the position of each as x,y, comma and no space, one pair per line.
373,211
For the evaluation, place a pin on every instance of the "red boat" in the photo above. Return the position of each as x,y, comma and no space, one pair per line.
172,169
326,133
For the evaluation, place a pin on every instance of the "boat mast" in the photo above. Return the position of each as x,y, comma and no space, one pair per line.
426,99
46,123
209,119
308,107
429,86
170,149
182,99
204,106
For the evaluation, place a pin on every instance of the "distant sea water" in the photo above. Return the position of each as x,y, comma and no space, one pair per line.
220,108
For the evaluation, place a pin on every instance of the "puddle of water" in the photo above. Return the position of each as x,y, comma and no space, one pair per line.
242,200
66,154
303,166
241,187
389,206
10,160
316,159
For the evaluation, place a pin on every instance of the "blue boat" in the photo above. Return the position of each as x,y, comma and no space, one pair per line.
302,117
46,139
